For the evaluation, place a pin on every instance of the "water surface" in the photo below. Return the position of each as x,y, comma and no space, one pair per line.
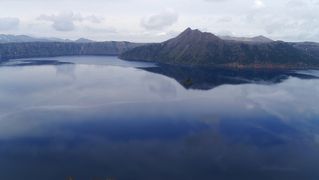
100,117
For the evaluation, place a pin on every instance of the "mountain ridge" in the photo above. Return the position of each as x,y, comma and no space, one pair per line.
50,49
193,47
256,39
8,38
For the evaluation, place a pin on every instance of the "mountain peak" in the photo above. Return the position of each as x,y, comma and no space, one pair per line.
84,40
261,38
195,34
190,31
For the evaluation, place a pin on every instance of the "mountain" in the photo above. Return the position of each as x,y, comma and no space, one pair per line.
310,48
23,38
49,49
193,47
83,40
4,38
257,39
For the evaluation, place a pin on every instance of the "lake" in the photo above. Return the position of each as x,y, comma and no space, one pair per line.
86,118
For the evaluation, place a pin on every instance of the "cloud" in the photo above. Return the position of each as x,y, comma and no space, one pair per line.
66,21
296,4
104,30
160,21
293,25
259,4
93,19
286,19
8,23
225,33
225,19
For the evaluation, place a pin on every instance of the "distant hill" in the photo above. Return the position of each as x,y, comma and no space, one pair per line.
257,39
193,47
310,48
83,40
4,38
49,49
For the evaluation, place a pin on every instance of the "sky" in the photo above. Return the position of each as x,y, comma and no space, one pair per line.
159,20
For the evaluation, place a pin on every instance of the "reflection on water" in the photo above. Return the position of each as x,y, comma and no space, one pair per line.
125,121
208,78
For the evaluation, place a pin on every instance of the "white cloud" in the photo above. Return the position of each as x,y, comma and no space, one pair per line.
296,4
258,4
225,33
226,19
8,23
160,21
66,21
93,19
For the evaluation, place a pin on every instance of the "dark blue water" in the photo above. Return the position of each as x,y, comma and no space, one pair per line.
103,118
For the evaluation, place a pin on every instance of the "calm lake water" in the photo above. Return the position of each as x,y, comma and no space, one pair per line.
103,118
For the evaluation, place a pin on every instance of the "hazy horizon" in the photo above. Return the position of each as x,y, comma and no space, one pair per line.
70,39
158,20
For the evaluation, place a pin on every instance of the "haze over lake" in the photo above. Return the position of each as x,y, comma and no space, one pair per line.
101,117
